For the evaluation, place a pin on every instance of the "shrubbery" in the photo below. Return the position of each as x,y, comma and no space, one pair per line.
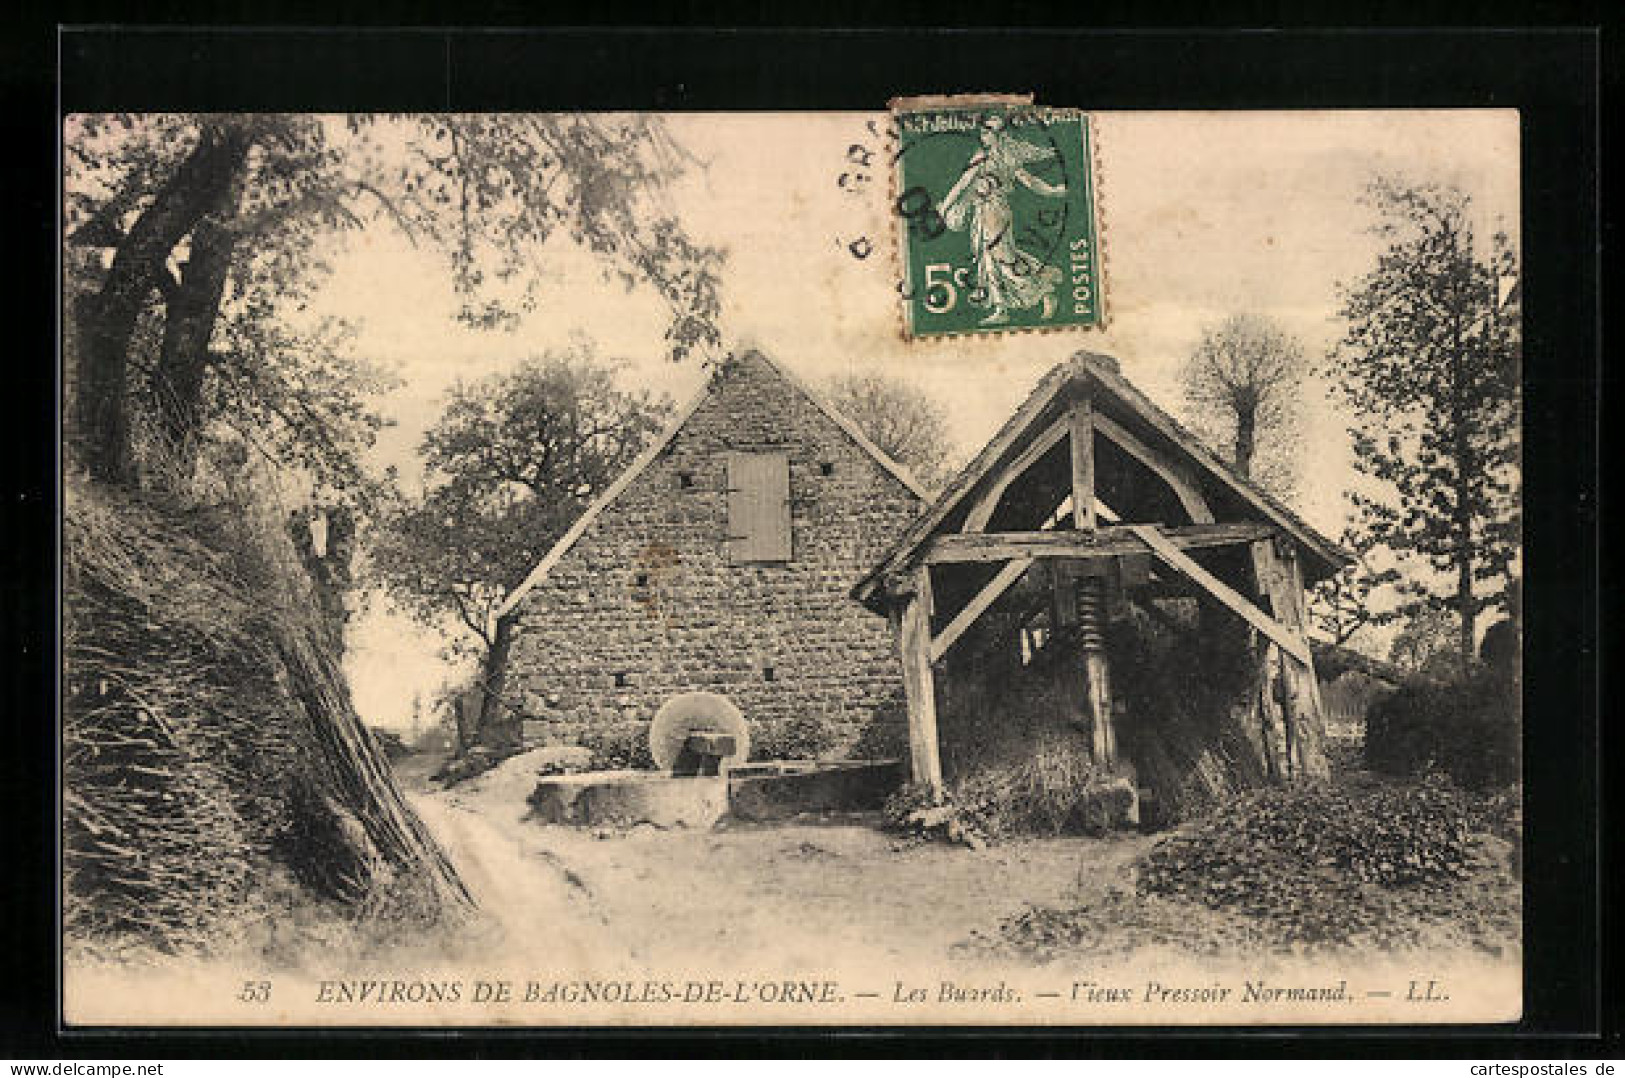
619,747
1468,728
805,737
1348,867
1317,864
912,810
1395,836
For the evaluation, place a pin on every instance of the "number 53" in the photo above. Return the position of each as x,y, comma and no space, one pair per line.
255,992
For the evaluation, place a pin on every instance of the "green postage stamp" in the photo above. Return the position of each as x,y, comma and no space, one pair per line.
997,219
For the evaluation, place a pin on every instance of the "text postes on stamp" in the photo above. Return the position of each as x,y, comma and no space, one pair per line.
997,219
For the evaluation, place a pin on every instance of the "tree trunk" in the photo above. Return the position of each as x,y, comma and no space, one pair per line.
189,318
1246,439
364,791
497,725
1464,583
108,318
1465,464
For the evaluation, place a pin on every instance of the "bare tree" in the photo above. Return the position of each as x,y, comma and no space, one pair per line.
899,418
1243,383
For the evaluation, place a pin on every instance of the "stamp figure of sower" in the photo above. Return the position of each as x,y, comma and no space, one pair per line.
1009,278
998,220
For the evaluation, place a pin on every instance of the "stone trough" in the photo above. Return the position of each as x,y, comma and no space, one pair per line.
699,742
754,792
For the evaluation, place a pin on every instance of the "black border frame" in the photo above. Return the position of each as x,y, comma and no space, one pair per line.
1553,75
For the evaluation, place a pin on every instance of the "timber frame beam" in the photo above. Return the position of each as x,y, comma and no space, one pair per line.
1108,541
977,606
1178,479
911,621
1291,642
976,520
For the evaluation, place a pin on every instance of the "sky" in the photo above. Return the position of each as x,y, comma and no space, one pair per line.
1204,214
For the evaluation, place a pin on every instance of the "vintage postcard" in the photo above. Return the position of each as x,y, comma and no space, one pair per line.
728,569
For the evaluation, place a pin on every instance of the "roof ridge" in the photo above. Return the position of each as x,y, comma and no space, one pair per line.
1107,373
898,470
659,445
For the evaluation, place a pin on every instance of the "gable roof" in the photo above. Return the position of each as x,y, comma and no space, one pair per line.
1100,375
655,448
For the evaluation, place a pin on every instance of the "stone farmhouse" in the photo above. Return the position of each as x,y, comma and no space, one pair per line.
721,560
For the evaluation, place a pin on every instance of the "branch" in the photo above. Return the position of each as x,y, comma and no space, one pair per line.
405,223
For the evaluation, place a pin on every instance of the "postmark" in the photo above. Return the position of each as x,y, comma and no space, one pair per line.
997,220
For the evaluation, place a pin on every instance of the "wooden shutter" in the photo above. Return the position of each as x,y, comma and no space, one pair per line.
758,507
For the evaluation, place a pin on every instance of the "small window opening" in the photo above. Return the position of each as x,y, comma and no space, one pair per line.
641,580
685,479
826,468
620,680
767,673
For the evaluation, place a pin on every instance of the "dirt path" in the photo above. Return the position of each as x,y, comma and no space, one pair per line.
791,895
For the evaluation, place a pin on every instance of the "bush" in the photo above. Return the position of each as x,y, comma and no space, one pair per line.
885,737
899,811
619,747
1326,864
1468,728
1395,836
1344,755
912,810
805,737
1333,869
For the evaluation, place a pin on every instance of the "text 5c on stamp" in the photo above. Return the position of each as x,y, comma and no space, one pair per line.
997,219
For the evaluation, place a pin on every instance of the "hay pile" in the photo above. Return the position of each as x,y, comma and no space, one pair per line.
209,742
1191,729
1191,736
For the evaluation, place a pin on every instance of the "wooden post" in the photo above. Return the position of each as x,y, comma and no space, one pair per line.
1082,436
1278,580
912,624
1091,613
1091,605
1102,719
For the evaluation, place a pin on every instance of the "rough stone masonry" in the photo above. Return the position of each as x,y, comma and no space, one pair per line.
647,603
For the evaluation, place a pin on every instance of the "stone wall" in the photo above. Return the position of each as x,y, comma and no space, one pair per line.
646,605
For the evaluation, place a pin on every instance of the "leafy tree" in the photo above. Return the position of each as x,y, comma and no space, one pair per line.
510,464
197,235
899,418
1429,366
1426,643
1242,384
193,242
1343,604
